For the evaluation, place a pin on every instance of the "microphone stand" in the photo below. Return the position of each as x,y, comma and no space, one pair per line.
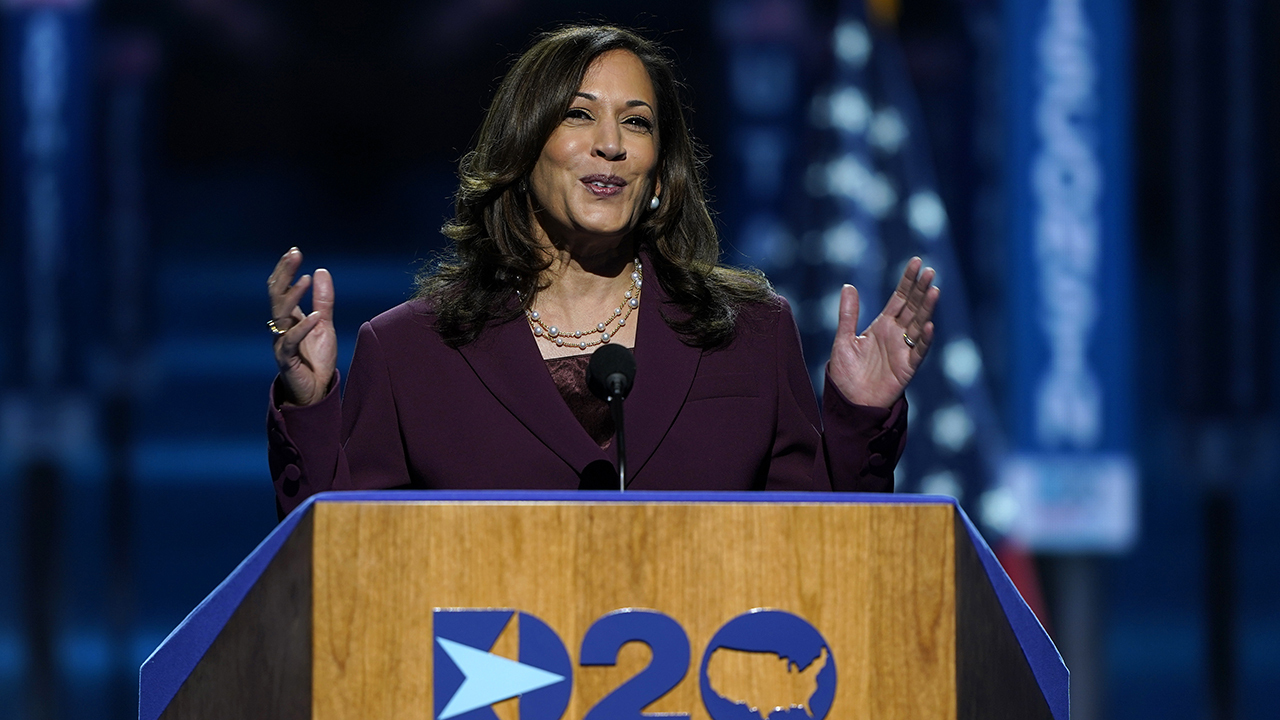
610,374
616,383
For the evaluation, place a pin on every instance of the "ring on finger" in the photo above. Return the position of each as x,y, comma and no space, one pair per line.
275,331
907,339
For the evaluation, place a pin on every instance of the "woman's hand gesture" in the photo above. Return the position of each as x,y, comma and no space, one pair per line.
874,368
306,346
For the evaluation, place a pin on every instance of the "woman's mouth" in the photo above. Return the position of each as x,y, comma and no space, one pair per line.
604,185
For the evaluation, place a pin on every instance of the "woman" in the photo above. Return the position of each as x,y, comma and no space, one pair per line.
581,221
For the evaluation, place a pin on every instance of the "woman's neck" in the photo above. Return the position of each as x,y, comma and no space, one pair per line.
581,288
582,272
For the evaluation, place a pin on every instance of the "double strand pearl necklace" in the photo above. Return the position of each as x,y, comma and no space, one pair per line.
582,339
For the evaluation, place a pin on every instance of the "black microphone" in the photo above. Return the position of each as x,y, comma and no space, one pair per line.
610,374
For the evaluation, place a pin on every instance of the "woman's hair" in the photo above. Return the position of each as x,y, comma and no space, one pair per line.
495,251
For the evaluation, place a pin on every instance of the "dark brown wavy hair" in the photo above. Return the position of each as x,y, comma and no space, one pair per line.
495,251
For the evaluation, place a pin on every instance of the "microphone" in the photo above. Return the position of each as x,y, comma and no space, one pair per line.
610,375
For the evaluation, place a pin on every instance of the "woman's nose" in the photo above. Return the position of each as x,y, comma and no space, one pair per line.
608,144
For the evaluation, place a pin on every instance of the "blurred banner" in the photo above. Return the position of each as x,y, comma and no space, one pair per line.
1071,473
47,435
46,179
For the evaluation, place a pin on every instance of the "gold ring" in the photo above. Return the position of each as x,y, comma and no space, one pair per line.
275,331
910,343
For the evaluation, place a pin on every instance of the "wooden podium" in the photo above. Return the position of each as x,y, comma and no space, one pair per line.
714,606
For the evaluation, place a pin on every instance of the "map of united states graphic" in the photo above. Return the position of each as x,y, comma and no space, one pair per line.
766,683
768,665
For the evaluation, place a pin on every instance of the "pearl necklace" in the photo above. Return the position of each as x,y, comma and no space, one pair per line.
606,330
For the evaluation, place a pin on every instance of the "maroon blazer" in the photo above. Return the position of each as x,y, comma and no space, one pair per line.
419,414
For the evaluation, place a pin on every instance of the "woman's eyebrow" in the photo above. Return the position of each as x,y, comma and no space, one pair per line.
630,103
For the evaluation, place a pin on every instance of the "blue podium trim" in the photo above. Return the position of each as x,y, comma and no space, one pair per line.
1046,663
172,662
163,673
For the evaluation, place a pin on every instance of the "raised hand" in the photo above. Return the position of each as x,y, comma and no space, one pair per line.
306,345
874,368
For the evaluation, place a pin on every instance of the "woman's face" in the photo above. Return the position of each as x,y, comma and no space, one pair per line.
596,174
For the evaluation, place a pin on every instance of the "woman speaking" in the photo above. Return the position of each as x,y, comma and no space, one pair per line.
581,222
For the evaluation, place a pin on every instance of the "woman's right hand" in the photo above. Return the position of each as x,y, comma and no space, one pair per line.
307,350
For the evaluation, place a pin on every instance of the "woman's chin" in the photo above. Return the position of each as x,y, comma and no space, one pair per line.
612,231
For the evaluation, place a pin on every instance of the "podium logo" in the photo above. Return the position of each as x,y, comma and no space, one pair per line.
469,679
764,665
777,645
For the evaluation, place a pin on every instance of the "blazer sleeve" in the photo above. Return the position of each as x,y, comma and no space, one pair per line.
315,448
846,447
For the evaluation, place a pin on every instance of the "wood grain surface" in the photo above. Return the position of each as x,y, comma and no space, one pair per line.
878,581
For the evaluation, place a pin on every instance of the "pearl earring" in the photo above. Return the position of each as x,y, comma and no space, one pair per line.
654,203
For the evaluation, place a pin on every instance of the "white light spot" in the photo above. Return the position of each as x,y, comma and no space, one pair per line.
926,215
961,362
844,244
850,110
952,428
942,482
999,509
880,197
853,43
848,176
888,131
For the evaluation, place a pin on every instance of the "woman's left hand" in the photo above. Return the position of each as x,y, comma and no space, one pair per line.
874,368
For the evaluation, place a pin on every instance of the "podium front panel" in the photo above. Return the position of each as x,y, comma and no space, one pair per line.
600,606
876,583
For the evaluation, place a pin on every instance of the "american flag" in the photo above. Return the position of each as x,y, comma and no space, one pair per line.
869,203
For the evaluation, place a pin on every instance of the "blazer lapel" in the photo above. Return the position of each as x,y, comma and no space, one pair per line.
507,361
665,368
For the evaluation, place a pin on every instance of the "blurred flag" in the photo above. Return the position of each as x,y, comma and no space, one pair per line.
871,203
865,203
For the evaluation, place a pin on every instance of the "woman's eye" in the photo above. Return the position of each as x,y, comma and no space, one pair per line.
640,122
577,114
